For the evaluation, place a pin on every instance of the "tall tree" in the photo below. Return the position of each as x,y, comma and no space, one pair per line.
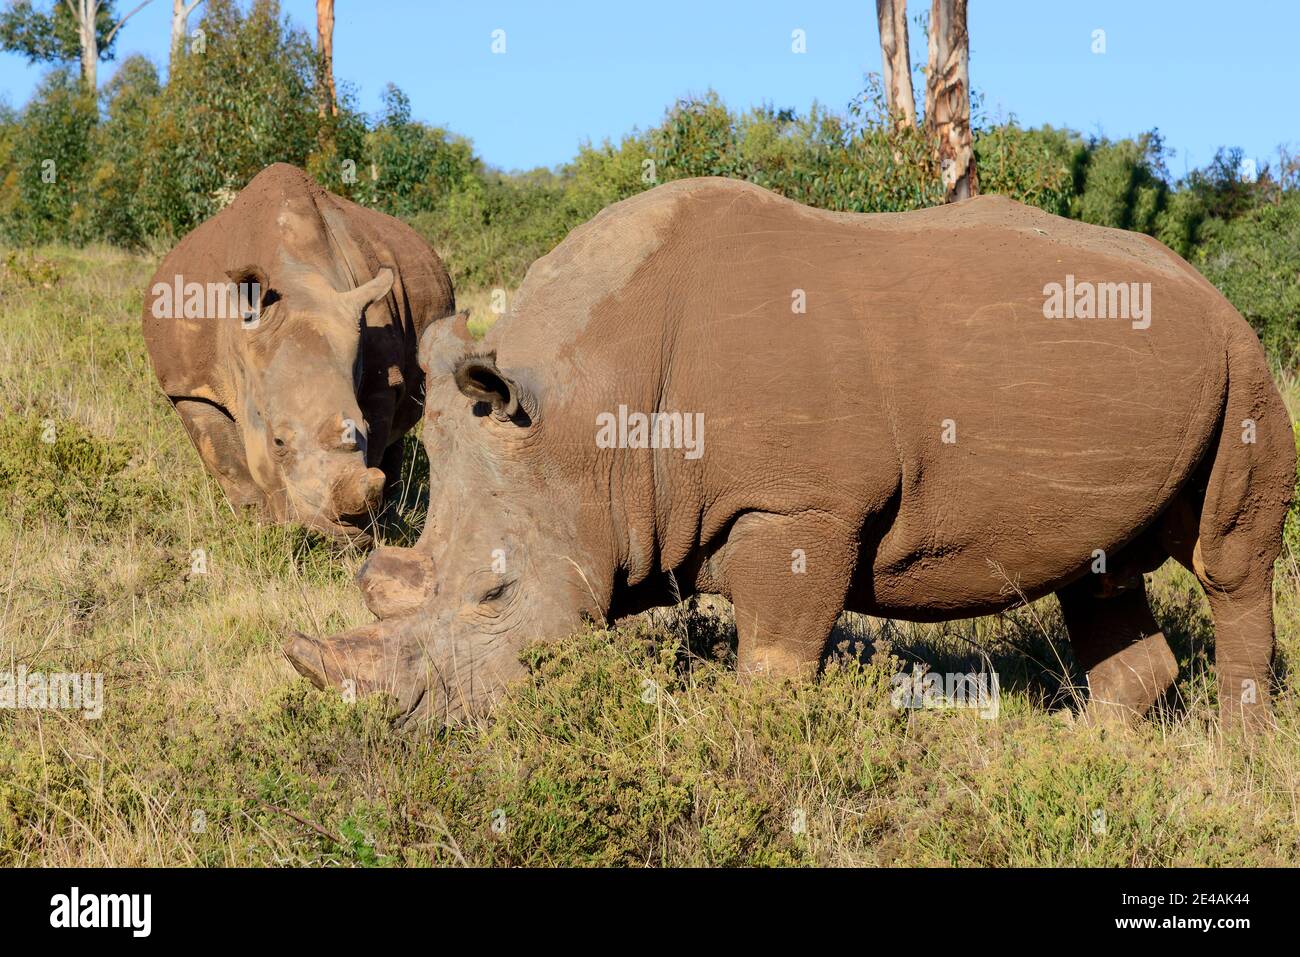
87,14
325,48
71,30
896,61
947,99
180,25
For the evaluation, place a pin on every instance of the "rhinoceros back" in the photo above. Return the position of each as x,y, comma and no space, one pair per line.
894,363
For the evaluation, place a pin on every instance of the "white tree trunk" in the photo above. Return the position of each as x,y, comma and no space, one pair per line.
325,47
180,25
947,99
84,12
896,61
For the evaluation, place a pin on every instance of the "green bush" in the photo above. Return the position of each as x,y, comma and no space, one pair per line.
1041,167
857,163
165,158
1125,184
119,195
411,167
1254,260
57,469
245,101
51,152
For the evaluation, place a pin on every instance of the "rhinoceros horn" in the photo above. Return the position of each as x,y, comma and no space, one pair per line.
395,581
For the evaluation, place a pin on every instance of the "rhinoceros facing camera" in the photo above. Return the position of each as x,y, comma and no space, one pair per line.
284,331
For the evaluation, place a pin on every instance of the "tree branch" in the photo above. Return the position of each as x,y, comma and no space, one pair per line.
108,40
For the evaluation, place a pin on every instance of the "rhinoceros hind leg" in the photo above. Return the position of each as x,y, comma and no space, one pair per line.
1117,642
1228,533
1243,655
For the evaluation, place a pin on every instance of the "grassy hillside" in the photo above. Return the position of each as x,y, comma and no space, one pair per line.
633,747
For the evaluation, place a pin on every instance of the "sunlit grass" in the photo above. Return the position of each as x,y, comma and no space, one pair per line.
637,746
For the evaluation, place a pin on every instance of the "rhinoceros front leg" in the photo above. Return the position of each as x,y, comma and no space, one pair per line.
787,577
1117,641
221,447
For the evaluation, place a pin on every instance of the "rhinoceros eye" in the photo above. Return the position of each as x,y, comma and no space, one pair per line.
495,593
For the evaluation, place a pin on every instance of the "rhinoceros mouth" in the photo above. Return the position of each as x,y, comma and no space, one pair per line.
358,529
353,529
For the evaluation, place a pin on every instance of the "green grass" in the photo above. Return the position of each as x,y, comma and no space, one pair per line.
636,746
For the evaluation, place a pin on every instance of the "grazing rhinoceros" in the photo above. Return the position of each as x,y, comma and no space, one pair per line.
285,331
711,388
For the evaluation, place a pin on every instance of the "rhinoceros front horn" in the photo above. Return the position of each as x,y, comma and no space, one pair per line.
429,676
363,661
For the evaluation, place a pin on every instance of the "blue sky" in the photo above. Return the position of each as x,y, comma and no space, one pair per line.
582,70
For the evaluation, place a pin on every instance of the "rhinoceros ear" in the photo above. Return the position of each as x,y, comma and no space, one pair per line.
478,378
252,279
446,337
355,300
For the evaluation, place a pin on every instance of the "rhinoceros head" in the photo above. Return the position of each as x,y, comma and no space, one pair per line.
305,437
506,556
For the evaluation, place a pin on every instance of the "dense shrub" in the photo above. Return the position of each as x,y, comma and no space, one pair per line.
120,194
57,469
47,185
1042,167
411,167
1125,184
161,159
244,101
1254,259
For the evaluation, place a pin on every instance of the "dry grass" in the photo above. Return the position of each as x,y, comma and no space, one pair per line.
629,747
